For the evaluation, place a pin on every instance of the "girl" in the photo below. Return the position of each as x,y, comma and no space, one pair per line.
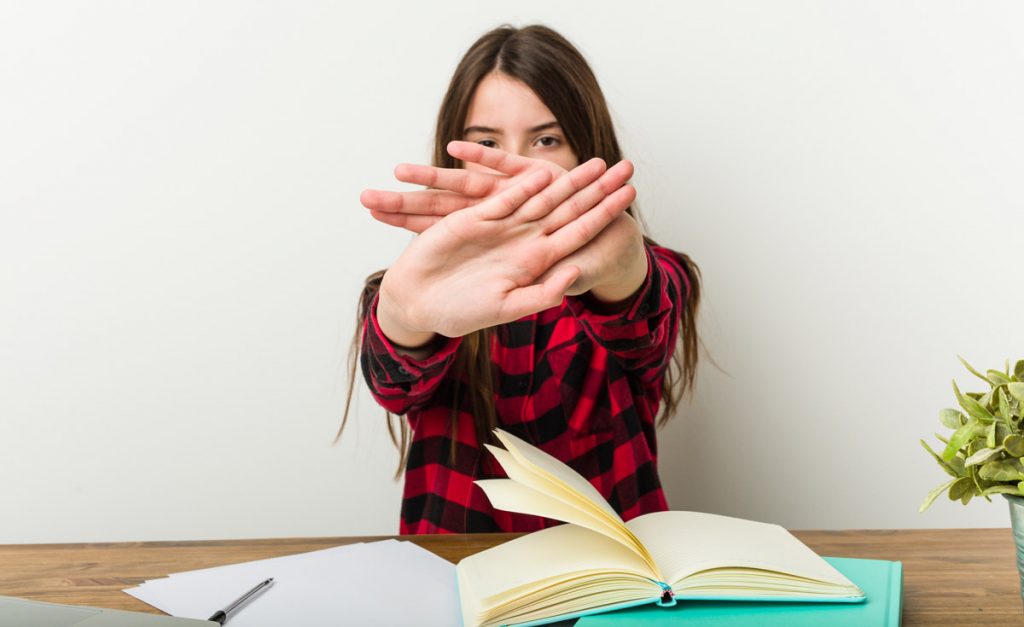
530,299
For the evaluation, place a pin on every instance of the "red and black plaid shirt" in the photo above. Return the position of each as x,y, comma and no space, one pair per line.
581,385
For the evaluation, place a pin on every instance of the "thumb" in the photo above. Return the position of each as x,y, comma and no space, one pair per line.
414,223
527,300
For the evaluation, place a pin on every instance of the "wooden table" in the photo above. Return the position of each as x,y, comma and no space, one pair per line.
952,577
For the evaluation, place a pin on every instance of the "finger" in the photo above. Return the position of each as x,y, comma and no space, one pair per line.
504,204
577,233
504,162
416,224
423,202
466,182
524,301
581,202
563,188
577,287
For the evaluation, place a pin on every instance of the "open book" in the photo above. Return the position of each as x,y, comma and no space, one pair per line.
598,563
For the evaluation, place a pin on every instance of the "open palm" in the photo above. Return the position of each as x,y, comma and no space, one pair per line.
480,267
615,253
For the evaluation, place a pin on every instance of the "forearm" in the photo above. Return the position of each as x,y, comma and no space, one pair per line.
400,379
641,332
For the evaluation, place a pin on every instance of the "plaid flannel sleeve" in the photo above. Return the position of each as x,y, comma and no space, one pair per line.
643,336
399,382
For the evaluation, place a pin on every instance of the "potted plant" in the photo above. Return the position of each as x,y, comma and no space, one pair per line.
983,454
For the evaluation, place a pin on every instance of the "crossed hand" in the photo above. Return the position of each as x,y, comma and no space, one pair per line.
497,245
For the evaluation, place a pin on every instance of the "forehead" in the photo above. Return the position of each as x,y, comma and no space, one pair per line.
504,103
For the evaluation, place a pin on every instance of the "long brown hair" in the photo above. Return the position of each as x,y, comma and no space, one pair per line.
556,71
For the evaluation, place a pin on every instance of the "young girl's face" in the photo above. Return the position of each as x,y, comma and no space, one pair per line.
505,114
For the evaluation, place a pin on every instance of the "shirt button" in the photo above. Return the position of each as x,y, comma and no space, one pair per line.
402,370
644,309
523,385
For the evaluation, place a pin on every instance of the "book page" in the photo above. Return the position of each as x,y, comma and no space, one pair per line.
552,480
534,561
510,496
684,543
529,477
539,461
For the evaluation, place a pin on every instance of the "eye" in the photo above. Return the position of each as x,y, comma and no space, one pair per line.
548,141
489,143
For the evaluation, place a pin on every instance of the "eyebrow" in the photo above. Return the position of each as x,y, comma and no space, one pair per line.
488,129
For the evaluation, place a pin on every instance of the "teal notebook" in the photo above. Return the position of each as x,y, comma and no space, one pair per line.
881,581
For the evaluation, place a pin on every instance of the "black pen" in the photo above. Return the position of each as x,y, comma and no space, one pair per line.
221,616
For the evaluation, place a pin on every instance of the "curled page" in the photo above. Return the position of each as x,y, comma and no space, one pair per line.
541,485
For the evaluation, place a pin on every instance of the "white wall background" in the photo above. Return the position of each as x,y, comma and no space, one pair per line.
181,247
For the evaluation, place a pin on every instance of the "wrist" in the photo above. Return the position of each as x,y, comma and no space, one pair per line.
398,331
625,285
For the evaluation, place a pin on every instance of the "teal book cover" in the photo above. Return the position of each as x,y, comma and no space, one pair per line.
881,581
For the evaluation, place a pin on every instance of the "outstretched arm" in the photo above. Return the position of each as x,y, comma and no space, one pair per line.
641,334
402,379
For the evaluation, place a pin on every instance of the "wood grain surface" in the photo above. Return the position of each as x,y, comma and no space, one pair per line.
952,577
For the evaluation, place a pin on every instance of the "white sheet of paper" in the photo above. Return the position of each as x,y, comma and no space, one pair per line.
373,584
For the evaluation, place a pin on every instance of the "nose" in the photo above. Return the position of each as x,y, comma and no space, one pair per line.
521,148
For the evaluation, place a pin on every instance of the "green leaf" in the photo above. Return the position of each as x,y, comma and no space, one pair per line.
973,371
1015,407
976,445
1016,390
1018,370
951,418
973,407
961,437
950,467
996,377
1004,407
934,494
985,400
1000,471
957,464
1002,489
961,487
1016,464
972,471
1002,431
1014,445
982,456
991,439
